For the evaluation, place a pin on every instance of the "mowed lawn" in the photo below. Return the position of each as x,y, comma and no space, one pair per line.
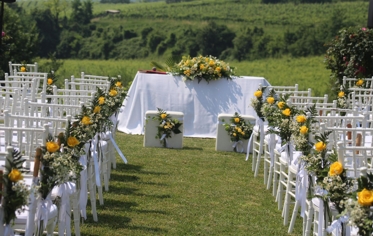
192,191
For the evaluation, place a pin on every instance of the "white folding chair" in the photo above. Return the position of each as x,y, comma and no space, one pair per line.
16,67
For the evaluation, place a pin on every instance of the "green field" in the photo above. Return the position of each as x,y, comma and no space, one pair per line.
308,72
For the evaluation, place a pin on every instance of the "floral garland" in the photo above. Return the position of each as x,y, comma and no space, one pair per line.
166,126
15,192
207,68
238,129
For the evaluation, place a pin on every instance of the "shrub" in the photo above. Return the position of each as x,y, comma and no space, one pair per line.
350,54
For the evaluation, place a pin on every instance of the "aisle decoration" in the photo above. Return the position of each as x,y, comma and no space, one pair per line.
302,129
207,68
166,126
258,100
15,192
342,97
359,207
238,130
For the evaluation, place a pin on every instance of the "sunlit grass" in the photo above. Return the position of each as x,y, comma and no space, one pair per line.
192,191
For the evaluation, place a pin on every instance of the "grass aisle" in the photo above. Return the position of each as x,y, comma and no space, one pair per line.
193,191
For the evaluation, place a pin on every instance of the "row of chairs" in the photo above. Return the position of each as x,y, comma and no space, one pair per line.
27,109
351,134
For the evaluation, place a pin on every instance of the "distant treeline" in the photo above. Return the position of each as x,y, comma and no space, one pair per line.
78,36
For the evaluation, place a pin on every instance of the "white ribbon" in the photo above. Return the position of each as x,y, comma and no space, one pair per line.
288,148
272,146
301,187
64,191
259,122
8,231
117,148
83,192
236,144
165,139
95,160
42,211
336,226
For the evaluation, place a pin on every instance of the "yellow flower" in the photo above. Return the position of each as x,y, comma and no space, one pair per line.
187,72
320,146
258,93
218,69
243,133
165,127
281,105
286,112
50,81
113,93
163,116
72,141
359,82
101,100
23,69
301,119
202,66
234,134
52,147
239,130
15,175
336,168
236,120
270,100
86,120
118,84
97,109
341,94
365,197
211,63
303,130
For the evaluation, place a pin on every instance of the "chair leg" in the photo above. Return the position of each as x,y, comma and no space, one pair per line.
294,216
76,212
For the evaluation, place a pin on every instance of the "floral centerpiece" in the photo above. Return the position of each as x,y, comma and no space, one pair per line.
115,96
208,68
238,129
342,97
166,126
15,192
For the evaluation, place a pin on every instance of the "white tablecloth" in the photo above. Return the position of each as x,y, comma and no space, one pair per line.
200,102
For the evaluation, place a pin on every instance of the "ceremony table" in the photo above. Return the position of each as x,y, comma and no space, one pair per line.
200,102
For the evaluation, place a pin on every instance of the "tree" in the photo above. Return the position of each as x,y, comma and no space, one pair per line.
214,39
20,41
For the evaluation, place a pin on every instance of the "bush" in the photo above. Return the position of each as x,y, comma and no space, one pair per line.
350,54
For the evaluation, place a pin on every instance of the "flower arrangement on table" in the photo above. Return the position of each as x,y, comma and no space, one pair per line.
166,126
208,68
359,209
15,192
238,129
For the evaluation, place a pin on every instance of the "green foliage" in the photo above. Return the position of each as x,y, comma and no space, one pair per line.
350,54
20,41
